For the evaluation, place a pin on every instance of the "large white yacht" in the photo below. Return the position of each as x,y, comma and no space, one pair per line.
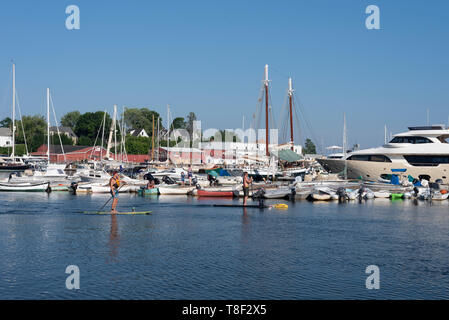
421,152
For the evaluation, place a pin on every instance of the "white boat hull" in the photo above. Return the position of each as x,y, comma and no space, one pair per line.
24,187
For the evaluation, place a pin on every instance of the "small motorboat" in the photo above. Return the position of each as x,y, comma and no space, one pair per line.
210,193
382,194
279,193
25,186
174,190
438,196
323,194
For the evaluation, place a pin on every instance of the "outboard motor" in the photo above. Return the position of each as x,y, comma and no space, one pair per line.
342,196
292,194
74,186
168,180
259,194
148,177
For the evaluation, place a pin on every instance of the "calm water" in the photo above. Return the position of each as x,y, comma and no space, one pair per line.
185,251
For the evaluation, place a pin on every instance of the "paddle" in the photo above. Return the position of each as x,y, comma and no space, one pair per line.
110,198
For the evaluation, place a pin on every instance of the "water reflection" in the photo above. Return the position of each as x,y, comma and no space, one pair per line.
114,239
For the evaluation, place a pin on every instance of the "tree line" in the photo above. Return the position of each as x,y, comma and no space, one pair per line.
88,127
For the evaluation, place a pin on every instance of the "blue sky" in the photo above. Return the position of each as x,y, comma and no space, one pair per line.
208,57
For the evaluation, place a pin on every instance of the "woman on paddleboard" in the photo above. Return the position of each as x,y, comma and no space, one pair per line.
114,185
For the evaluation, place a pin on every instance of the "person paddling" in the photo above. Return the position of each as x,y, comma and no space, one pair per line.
114,185
246,182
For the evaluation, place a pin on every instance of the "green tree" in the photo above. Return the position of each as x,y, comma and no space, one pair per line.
136,145
178,123
70,119
191,117
142,119
35,128
309,147
54,139
89,126
84,141
6,123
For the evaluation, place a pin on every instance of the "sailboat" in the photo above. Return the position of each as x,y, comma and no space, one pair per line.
53,172
10,164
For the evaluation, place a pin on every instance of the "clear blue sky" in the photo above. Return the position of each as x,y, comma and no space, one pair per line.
208,57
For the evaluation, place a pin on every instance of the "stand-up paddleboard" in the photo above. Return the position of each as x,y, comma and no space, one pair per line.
108,212
240,206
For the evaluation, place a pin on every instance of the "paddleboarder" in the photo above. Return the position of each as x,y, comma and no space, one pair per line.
246,182
114,185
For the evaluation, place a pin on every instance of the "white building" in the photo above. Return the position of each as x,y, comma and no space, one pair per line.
139,133
240,152
5,137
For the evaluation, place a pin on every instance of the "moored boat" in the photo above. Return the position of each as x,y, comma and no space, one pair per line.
210,193
152,191
25,186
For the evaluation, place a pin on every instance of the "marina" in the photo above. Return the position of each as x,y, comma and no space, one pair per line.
223,159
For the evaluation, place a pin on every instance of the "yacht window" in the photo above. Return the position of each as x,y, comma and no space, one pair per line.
379,158
442,139
410,140
359,157
372,157
432,161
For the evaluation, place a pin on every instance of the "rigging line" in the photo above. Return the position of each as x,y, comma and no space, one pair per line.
302,111
21,123
98,133
57,128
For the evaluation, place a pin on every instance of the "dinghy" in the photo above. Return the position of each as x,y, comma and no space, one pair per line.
381,194
153,191
25,186
175,190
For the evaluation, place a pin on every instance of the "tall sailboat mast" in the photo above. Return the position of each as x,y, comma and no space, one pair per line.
290,100
168,132
345,146
152,142
48,125
266,109
111,131
13,110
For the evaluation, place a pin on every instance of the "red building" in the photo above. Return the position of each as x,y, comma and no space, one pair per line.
80,153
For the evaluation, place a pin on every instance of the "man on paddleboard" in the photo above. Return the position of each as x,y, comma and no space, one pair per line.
114,185
246,182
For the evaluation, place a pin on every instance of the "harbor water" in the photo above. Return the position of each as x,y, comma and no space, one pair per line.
188,250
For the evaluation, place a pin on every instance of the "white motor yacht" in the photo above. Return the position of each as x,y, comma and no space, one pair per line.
422,152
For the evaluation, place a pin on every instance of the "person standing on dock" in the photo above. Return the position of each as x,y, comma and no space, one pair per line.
246,182
114,184
190,174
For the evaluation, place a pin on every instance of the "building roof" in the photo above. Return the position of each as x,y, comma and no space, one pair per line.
136,133
56,149
63,130
5,132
